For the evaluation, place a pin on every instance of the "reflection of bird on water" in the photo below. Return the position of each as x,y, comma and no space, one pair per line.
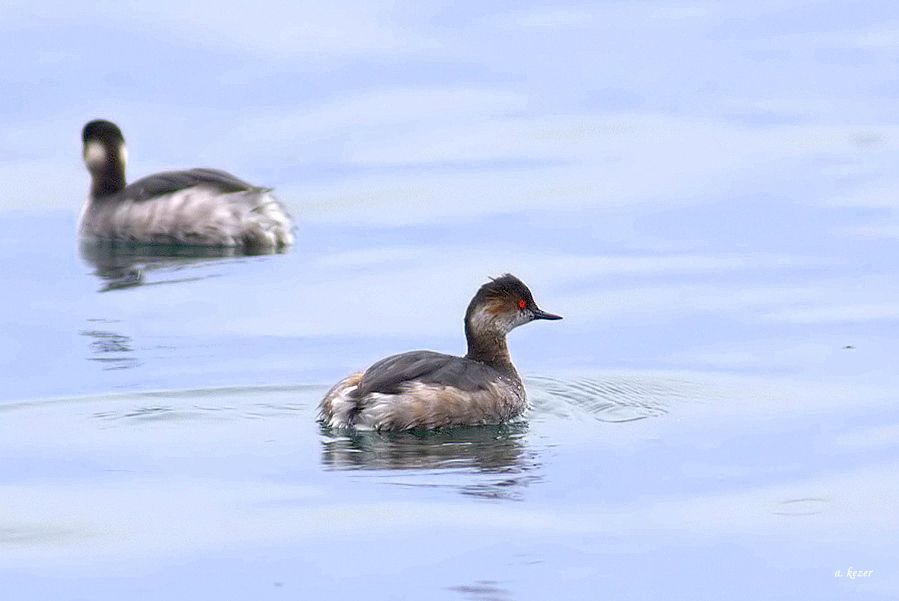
124,265
495,458
110,349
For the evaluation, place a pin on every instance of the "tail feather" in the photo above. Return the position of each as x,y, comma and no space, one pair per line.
339,407
268,225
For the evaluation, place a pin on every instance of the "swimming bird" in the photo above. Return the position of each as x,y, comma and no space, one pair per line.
428,390
203,207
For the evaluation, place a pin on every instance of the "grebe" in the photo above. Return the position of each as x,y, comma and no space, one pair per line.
427,390
204,207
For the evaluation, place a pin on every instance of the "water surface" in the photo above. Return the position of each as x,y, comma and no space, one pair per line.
706,194
158,438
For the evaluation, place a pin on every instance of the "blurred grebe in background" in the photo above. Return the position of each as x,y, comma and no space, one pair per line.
203,207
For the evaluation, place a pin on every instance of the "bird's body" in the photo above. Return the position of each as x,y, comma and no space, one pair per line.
428,390
203,207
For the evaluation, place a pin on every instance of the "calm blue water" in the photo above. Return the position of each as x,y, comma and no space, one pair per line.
707,193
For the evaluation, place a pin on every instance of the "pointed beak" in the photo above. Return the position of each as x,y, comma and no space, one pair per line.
541,314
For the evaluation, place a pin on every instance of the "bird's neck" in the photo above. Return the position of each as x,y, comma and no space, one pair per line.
108,180
489,348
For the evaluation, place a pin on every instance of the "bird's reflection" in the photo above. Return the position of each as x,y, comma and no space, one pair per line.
125,265
490,462
482,590
110,349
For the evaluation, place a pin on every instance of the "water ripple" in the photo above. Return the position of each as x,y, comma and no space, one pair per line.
614,399
482,590
126,402
801,507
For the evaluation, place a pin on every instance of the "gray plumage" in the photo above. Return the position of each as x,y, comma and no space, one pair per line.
169,182
388,376
202,207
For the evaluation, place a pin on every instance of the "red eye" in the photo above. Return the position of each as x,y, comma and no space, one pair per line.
522,304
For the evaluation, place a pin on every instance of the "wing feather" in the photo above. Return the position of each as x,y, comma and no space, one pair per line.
393,374
169,182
